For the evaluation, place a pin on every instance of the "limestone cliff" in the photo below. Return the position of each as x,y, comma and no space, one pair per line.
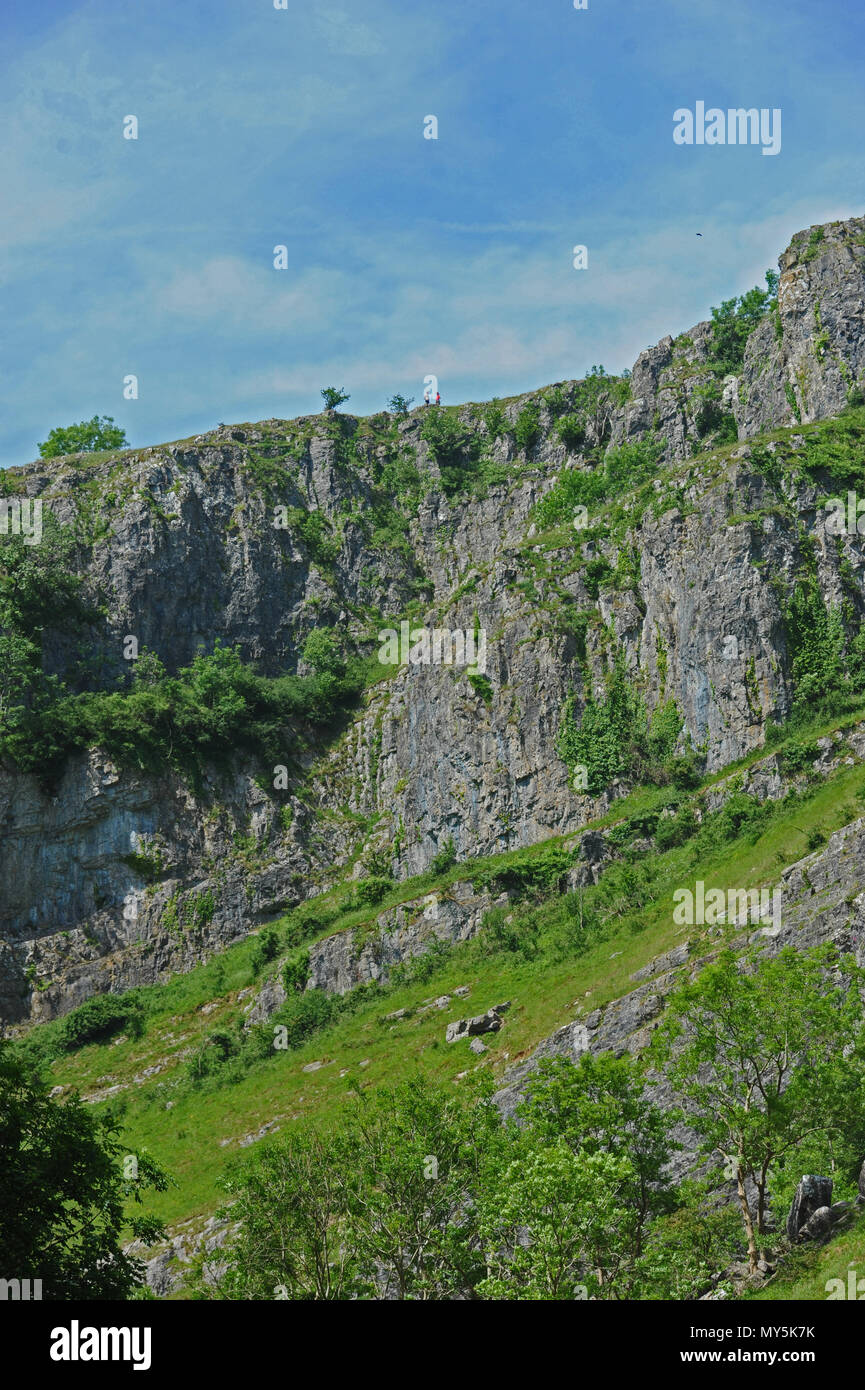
117,877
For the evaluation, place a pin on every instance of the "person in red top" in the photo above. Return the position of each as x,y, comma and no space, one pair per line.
438,397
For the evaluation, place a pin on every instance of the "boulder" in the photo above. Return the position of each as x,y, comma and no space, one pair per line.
490,1022
813,1194
819,1226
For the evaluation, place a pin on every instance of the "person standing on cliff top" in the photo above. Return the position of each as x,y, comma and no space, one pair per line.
426,395
438,397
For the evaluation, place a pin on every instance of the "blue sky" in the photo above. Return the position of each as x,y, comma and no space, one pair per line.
407,256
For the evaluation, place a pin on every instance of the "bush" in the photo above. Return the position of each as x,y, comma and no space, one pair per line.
303,1014
507,933
676,830
295,972
614,738
625,466
734,322
494,419
100,1018
446,857
369,891
265,948
572,432
527,430
539,875
799,754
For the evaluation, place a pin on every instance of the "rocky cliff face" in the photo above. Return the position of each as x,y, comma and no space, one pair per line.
121,878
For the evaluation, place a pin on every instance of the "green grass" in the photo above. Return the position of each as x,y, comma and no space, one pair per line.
546,993
804,1276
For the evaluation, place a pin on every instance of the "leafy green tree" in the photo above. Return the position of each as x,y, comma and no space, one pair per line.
400,405
596,398
815,637
755,1047
380,1208
601,1106
265,949
554,1223
323,653
333,396
62,1191
734,321
527,430
419,1155
87,437
604,740
291,1203
494,418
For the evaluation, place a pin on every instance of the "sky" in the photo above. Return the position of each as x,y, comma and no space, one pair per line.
303,127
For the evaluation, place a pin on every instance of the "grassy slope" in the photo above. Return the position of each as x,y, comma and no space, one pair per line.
806,1274
545,994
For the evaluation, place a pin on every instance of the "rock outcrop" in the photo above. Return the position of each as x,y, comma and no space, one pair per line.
122,877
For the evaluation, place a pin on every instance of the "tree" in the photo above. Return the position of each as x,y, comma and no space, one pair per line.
600,1106
595,399
419,1152
755,1046
554,1224
86,437
734,322
382,1207
291,1202
399,405
685,1248
62,1192
333,397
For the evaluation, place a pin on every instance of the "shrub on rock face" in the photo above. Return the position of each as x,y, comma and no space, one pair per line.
446,857
370,891
527,430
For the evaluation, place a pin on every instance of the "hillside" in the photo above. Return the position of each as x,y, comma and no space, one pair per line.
244,820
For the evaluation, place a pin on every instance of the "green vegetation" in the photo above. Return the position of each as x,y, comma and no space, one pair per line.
206,712
759,1065
557,947
416,1193
815,241
623,467
63,1191
333,396
614,738
89,436
99,1018
527,430
734,321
